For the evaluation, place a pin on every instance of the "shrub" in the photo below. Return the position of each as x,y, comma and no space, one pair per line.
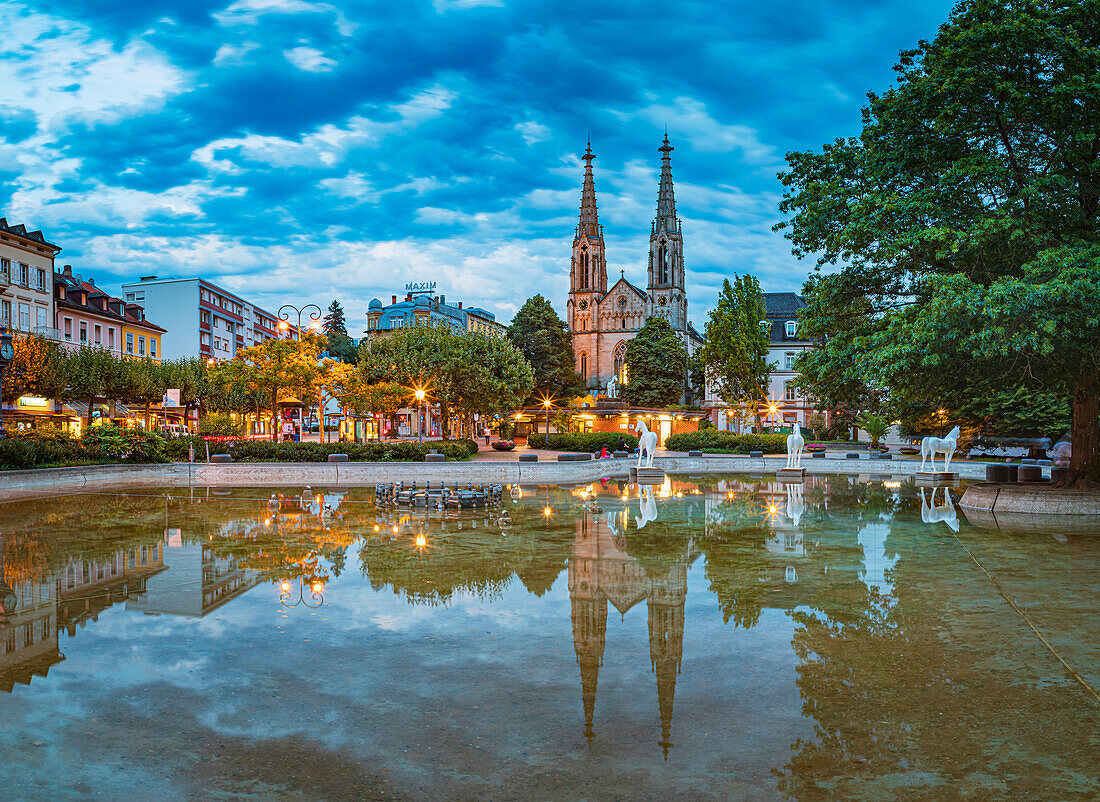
33,450
374,451
123,444
218,423
587,441
719,442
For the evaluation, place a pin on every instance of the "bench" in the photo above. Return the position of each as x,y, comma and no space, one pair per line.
759,454
817,455
221,459
851,455
435,457
1031,473
337,457
528,457
620,454
999,473
567,457
695,453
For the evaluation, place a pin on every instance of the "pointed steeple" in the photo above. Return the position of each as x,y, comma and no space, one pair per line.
666,199
589,224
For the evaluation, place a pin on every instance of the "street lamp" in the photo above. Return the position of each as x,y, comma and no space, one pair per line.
316,593
420,404
546,402
314,316
7,354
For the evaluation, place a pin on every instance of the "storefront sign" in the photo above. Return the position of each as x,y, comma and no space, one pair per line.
423,286
32,402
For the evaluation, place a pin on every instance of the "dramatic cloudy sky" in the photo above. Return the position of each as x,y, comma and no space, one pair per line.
293,150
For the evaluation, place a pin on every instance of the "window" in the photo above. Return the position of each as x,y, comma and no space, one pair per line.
792,328
24,317
788,361
789,392
41,279
83,333
5,267
141,346
129,296
41,313
24,275
111,338
584,367
372,323
765,326
397,322
98,335
620,362
129,342
5,312
153,347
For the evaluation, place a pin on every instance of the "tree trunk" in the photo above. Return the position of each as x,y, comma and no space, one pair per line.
148,424
1084,462
275,417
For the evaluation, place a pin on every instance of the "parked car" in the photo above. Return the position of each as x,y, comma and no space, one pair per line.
174,430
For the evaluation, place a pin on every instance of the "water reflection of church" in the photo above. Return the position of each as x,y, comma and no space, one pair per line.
601,571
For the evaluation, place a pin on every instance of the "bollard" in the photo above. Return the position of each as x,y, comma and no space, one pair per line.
221,459
528,457
337,457
997,473
690,453
1031,473
851,455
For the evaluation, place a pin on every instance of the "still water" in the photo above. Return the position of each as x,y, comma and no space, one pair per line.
718,637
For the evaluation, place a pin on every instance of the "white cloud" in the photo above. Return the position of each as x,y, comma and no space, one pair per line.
249,12
309,59
59,71
326,146
231,55
533,132
687,119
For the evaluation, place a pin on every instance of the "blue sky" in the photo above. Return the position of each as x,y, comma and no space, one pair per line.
293,150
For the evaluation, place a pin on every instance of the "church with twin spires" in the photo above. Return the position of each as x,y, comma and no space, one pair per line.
603,320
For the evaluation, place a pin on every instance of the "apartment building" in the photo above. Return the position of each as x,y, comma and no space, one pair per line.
201,318
26,280
421,309
89,317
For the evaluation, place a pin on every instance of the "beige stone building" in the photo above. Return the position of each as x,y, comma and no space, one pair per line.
26,280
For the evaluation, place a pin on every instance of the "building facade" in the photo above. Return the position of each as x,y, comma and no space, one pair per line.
26,280
201,318
422,309
86,316
603,320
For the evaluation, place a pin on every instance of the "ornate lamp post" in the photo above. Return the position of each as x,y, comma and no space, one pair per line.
546,402
314,316
420,409
316,594
7,354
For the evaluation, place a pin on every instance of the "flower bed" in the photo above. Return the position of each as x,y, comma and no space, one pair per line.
503,445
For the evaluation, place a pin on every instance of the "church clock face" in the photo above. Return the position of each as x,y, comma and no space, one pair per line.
583,304
662,300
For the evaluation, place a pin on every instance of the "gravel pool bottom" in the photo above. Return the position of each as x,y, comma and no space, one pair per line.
706,638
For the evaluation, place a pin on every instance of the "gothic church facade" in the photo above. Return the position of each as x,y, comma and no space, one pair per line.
603,320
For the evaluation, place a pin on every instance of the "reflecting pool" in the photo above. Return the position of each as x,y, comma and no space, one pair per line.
709,638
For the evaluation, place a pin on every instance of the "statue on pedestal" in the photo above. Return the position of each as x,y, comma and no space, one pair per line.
613,388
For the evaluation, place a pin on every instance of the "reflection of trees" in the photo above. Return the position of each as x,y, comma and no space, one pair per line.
737,562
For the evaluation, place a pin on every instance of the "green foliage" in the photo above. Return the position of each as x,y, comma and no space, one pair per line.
875,425
35,369
123,444
715,441
334,322
220,424
545,342
656,364
736,350
342,347
32,450
965,216
581,441
401,451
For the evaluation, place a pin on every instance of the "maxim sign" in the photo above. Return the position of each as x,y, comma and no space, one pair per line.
424,286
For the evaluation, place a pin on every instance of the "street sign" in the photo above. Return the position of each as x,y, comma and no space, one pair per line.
171,398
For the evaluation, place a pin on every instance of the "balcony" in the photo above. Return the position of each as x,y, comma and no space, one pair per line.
49,333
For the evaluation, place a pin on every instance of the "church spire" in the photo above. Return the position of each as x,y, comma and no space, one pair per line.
589,224
666,199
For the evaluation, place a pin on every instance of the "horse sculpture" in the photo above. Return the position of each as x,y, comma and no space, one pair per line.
945,513
930,446
647,444
795,444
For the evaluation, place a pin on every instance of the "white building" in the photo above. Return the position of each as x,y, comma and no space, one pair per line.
785,404
26,281
202,319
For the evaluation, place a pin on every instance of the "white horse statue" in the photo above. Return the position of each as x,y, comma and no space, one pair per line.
796,503
647,444
795,444
931,514
930,446
647,506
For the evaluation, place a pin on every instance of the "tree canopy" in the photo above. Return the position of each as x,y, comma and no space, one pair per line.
736,352
966,211
656,364
334,322
545,342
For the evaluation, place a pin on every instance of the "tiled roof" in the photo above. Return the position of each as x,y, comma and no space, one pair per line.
784,304
20,230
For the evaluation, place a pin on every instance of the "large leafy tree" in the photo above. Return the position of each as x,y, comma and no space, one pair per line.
975,180
546,343
656,364
37,368
736,352
90,373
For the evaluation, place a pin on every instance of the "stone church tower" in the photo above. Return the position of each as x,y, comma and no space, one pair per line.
602,319
665,293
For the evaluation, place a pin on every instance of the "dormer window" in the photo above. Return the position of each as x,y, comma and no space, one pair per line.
765,326
792,328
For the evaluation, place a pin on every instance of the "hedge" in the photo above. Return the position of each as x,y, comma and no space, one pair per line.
715,441
109,444
268,451
587,441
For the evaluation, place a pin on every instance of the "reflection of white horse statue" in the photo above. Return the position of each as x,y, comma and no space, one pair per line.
931,514
795,443
796,504
930,446
647,444
647,506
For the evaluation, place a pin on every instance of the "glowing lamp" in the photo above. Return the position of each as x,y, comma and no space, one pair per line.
285,587
546,511
421,541
395,529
